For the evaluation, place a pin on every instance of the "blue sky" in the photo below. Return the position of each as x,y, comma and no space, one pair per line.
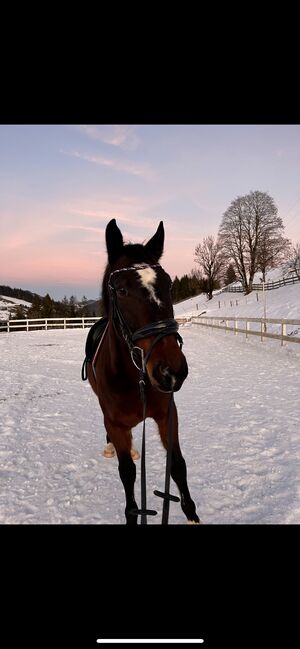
60,185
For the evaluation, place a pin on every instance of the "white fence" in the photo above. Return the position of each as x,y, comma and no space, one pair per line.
263,286
54,323
261,330
259,326
47,323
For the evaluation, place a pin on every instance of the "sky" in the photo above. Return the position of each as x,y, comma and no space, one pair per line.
61,184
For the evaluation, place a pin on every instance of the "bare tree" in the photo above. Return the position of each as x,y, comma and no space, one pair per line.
295,259
209,256
231,235
249,229
273,250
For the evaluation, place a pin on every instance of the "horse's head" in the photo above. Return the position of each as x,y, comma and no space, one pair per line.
137,295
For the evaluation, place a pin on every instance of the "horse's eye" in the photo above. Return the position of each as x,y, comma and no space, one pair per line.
122,292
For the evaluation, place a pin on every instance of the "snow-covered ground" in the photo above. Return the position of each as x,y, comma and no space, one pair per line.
8,306
239,413
283,302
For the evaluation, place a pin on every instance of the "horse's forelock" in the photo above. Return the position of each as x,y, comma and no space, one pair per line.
132,253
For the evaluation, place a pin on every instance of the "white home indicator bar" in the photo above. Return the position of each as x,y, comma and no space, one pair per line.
152,641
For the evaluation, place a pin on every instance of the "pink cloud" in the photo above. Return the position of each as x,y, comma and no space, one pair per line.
117,135
135,169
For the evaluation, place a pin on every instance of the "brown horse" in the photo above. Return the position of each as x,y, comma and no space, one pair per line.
140,328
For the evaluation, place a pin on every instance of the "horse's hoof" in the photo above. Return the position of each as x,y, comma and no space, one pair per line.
134,454
109,450
195,523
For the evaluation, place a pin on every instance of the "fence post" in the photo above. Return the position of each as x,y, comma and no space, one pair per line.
82,323
283,331
27,325
261,330
235,327
46,324
8,326
247,328
65,326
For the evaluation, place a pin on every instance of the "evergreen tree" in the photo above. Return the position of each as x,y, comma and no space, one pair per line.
176,290
73,307
230,275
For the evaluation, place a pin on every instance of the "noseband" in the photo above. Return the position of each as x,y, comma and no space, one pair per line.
159,329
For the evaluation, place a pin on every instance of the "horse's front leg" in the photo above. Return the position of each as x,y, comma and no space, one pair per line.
109,449
121,439
178,466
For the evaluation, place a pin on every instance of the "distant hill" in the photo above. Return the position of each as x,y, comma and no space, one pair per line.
10,305
20,303
18,293
93,307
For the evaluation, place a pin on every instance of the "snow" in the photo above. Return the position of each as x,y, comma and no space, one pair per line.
239,412
283,302
8,306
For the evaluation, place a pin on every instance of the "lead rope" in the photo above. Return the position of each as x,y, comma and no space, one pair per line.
167,497
143,512
166,493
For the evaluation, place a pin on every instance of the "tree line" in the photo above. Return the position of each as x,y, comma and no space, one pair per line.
46,307
195,283
18,293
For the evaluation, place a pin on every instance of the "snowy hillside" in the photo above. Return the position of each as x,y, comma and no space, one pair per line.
283,302
9,305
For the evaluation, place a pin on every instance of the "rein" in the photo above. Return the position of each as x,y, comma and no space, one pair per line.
159,329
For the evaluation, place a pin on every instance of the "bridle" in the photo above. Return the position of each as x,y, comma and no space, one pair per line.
159,329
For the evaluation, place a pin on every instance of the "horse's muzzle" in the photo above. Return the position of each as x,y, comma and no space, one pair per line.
167,379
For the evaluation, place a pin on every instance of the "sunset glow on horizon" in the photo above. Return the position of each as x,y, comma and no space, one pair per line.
61,185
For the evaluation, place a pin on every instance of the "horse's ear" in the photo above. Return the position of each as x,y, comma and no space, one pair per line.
114,241
155,246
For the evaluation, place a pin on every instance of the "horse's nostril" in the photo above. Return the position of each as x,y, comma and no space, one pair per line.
164,370
165,377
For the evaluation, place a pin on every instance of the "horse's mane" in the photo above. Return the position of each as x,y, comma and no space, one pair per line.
135,253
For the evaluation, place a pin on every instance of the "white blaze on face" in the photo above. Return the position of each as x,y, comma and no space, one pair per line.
148,278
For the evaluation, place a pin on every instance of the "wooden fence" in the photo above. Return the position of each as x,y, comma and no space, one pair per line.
47,323
213,323
263,286
281,324
53,323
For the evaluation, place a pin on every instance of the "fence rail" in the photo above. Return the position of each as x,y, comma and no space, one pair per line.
283,323
213,323
267,286
47,323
